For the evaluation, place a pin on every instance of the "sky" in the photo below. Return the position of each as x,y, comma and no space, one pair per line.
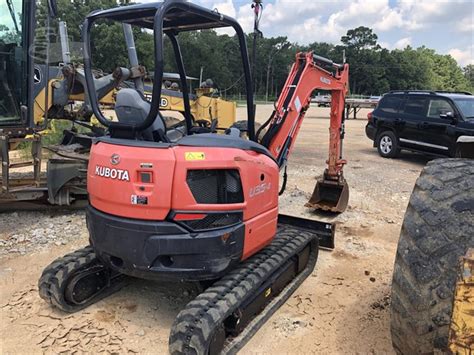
443,25
5,17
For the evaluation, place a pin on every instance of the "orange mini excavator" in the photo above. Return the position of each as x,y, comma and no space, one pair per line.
187,204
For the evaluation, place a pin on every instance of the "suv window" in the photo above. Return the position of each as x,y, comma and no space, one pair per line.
438,107
390,104
415,106
466,106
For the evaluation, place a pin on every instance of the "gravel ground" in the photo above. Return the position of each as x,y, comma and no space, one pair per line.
342,308
26,232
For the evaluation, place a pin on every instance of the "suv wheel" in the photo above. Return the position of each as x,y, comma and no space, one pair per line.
387,144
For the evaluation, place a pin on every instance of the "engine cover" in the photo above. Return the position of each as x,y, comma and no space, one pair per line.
200,188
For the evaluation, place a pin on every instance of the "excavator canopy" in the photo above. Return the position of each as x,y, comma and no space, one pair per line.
180,16
164,18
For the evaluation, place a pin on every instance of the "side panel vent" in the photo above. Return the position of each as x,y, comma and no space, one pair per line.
215,186
215,220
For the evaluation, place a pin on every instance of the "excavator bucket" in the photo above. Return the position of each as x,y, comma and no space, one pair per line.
330,195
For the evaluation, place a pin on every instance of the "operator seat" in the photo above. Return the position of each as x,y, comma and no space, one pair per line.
131,107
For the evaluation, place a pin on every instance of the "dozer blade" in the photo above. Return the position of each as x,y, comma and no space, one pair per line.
330,195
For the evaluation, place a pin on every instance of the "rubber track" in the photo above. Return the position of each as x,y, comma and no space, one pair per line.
437,230
54,279
194,326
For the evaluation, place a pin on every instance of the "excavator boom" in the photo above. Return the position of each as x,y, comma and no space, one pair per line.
307,74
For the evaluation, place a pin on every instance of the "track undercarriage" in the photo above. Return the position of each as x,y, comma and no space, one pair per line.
226,314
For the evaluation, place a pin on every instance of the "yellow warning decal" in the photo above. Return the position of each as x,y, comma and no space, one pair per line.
194,156
268,291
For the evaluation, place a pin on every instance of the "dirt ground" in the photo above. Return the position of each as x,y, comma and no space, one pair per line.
342,308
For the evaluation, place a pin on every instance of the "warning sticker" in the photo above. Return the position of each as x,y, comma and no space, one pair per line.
139,200
194,156
298,104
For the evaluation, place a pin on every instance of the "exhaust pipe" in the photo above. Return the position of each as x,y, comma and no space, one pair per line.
330,195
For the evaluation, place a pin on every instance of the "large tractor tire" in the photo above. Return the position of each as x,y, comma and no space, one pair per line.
437,230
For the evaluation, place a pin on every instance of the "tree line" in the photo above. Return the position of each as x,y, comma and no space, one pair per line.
373,70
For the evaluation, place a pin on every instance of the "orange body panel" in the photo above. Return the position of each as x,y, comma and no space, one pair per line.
251,167
257,231
113,195
116,193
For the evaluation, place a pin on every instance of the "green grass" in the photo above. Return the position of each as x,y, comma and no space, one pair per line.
52,136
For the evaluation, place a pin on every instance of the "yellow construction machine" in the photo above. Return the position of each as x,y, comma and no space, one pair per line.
37,90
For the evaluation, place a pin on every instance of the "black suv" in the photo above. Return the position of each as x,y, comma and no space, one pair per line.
426,121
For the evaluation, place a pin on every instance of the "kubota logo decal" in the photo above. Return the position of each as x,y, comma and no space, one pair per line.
115,159
325,80
116,174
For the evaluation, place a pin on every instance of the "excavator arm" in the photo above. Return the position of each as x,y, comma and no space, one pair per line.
307,74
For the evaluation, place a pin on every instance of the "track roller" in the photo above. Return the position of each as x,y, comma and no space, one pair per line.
77,280
226,315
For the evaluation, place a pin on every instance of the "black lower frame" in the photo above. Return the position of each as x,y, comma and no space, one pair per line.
163,250
326,231
166,250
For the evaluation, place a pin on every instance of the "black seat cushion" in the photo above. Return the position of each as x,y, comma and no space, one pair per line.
224,141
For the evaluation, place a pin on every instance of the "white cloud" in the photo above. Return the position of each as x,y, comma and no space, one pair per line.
300,21
225,7
402,43
325,20
311,21
245,17
466,24
390,19
398,23
367,13
428,13
463,57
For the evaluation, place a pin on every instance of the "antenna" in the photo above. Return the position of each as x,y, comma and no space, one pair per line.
257,7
